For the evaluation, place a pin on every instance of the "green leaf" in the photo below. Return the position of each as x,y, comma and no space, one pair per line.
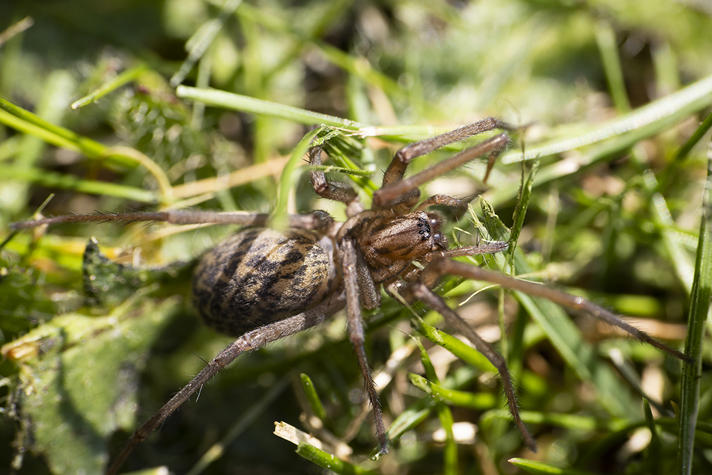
84,388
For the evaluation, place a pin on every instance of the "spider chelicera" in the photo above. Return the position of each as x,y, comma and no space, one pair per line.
261,285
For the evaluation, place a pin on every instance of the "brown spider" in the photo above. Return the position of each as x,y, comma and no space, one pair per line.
261,285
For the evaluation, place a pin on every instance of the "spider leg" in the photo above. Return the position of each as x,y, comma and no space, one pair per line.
336,191
249,341
370,297
315,220
458,205
490,247
392,191
356,335
425,295
403,157
442,266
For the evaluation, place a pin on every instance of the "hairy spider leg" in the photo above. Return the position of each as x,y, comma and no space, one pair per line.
418,283
441,266
396,169
458,205
427,296
370,296
249,341
336,191
315,220
393,193
356,335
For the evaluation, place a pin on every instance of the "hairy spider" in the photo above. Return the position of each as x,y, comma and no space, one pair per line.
261,285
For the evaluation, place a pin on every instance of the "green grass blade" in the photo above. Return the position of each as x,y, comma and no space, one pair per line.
655,450
457,347
453,396
660,114
25,121
217,98
57,90
312,396
288,178
450,462
699,309
330,462
409,419
568,421
29,123
694,138
608,47
534,466
662,217
71,182
520,210
120,80
202,39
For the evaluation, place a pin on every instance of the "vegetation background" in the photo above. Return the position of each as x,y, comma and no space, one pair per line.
613,92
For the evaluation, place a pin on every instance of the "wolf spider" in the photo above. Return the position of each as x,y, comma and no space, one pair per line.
261,285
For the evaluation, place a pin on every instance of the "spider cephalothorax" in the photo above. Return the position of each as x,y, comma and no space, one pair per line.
262,284
389,244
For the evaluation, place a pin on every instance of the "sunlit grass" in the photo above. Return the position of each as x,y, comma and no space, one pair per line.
211,105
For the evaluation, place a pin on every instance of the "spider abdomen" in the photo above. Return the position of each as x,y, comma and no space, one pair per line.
259,276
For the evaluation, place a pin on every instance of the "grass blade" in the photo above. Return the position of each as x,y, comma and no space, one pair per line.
123,78
660,113
215,97
288,179
450,462
71,182
312,396
533,466
29,123
699,309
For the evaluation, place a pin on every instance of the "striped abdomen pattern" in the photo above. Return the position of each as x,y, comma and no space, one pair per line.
259,276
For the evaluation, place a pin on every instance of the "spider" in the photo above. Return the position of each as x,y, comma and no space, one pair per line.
261,285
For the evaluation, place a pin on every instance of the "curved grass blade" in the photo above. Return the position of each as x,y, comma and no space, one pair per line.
29,123
288,179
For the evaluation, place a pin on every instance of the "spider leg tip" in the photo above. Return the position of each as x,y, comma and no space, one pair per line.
382,450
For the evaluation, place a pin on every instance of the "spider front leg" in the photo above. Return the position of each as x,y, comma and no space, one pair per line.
336,191
395,188
249,341
356,334
459,206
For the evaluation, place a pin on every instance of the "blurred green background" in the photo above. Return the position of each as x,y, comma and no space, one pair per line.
613,215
